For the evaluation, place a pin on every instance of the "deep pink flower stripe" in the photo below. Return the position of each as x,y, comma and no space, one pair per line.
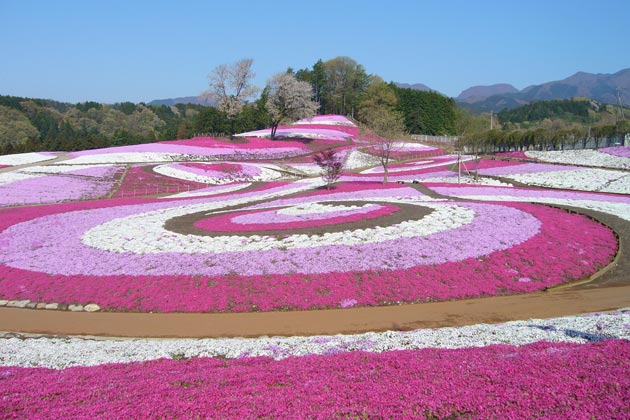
541,380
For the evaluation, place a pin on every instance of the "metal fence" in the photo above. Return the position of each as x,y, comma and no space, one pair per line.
435,139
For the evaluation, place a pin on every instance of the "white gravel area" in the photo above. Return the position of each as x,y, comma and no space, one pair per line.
62,352
581,157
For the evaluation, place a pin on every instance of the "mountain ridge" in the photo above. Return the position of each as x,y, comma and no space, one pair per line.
180,100
601,87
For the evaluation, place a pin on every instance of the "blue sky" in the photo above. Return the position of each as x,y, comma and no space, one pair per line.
113,51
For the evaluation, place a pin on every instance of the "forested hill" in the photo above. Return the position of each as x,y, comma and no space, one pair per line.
426,112
581,111
28,124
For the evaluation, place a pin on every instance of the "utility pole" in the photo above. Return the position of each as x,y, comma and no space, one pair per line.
619,113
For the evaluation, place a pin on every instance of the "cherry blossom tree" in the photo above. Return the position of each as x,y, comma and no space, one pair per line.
288,100
230,88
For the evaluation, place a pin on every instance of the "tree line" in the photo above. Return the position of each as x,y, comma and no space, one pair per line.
546,125
31,125
498,140
337,86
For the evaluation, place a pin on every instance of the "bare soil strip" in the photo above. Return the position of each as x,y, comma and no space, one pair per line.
332,321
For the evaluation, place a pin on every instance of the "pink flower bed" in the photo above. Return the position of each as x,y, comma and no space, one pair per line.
620,151
541,380
140,181
206,147
82,184
515,155
219,170
271,220
407,176
480,190
511,241
252,143
490,164
437,167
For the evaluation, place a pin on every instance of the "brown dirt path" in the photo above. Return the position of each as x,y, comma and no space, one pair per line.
333,321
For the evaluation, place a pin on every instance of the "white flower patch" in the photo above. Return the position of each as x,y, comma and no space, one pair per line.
581,157
145,233
621,210
581,179
133,157
401,145
417,165
209,191
24,158
60,353
15,176
39,171
326,120
305,169
267,173
317,208
357,160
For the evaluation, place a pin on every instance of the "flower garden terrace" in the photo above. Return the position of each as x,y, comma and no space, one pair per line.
256,237
212,235
127,245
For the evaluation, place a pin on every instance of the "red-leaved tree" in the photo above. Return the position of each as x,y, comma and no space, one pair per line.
331,164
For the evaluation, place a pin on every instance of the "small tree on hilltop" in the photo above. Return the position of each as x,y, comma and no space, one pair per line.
230,88
331,164
387,126
288,100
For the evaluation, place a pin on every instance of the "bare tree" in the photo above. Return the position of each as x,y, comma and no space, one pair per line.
231,88
288,99
387,126
331,164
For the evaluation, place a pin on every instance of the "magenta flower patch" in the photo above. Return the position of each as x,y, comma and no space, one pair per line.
541,380
619,151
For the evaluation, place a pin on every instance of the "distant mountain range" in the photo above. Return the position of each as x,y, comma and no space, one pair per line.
479,93
601,87
181,100
417,86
